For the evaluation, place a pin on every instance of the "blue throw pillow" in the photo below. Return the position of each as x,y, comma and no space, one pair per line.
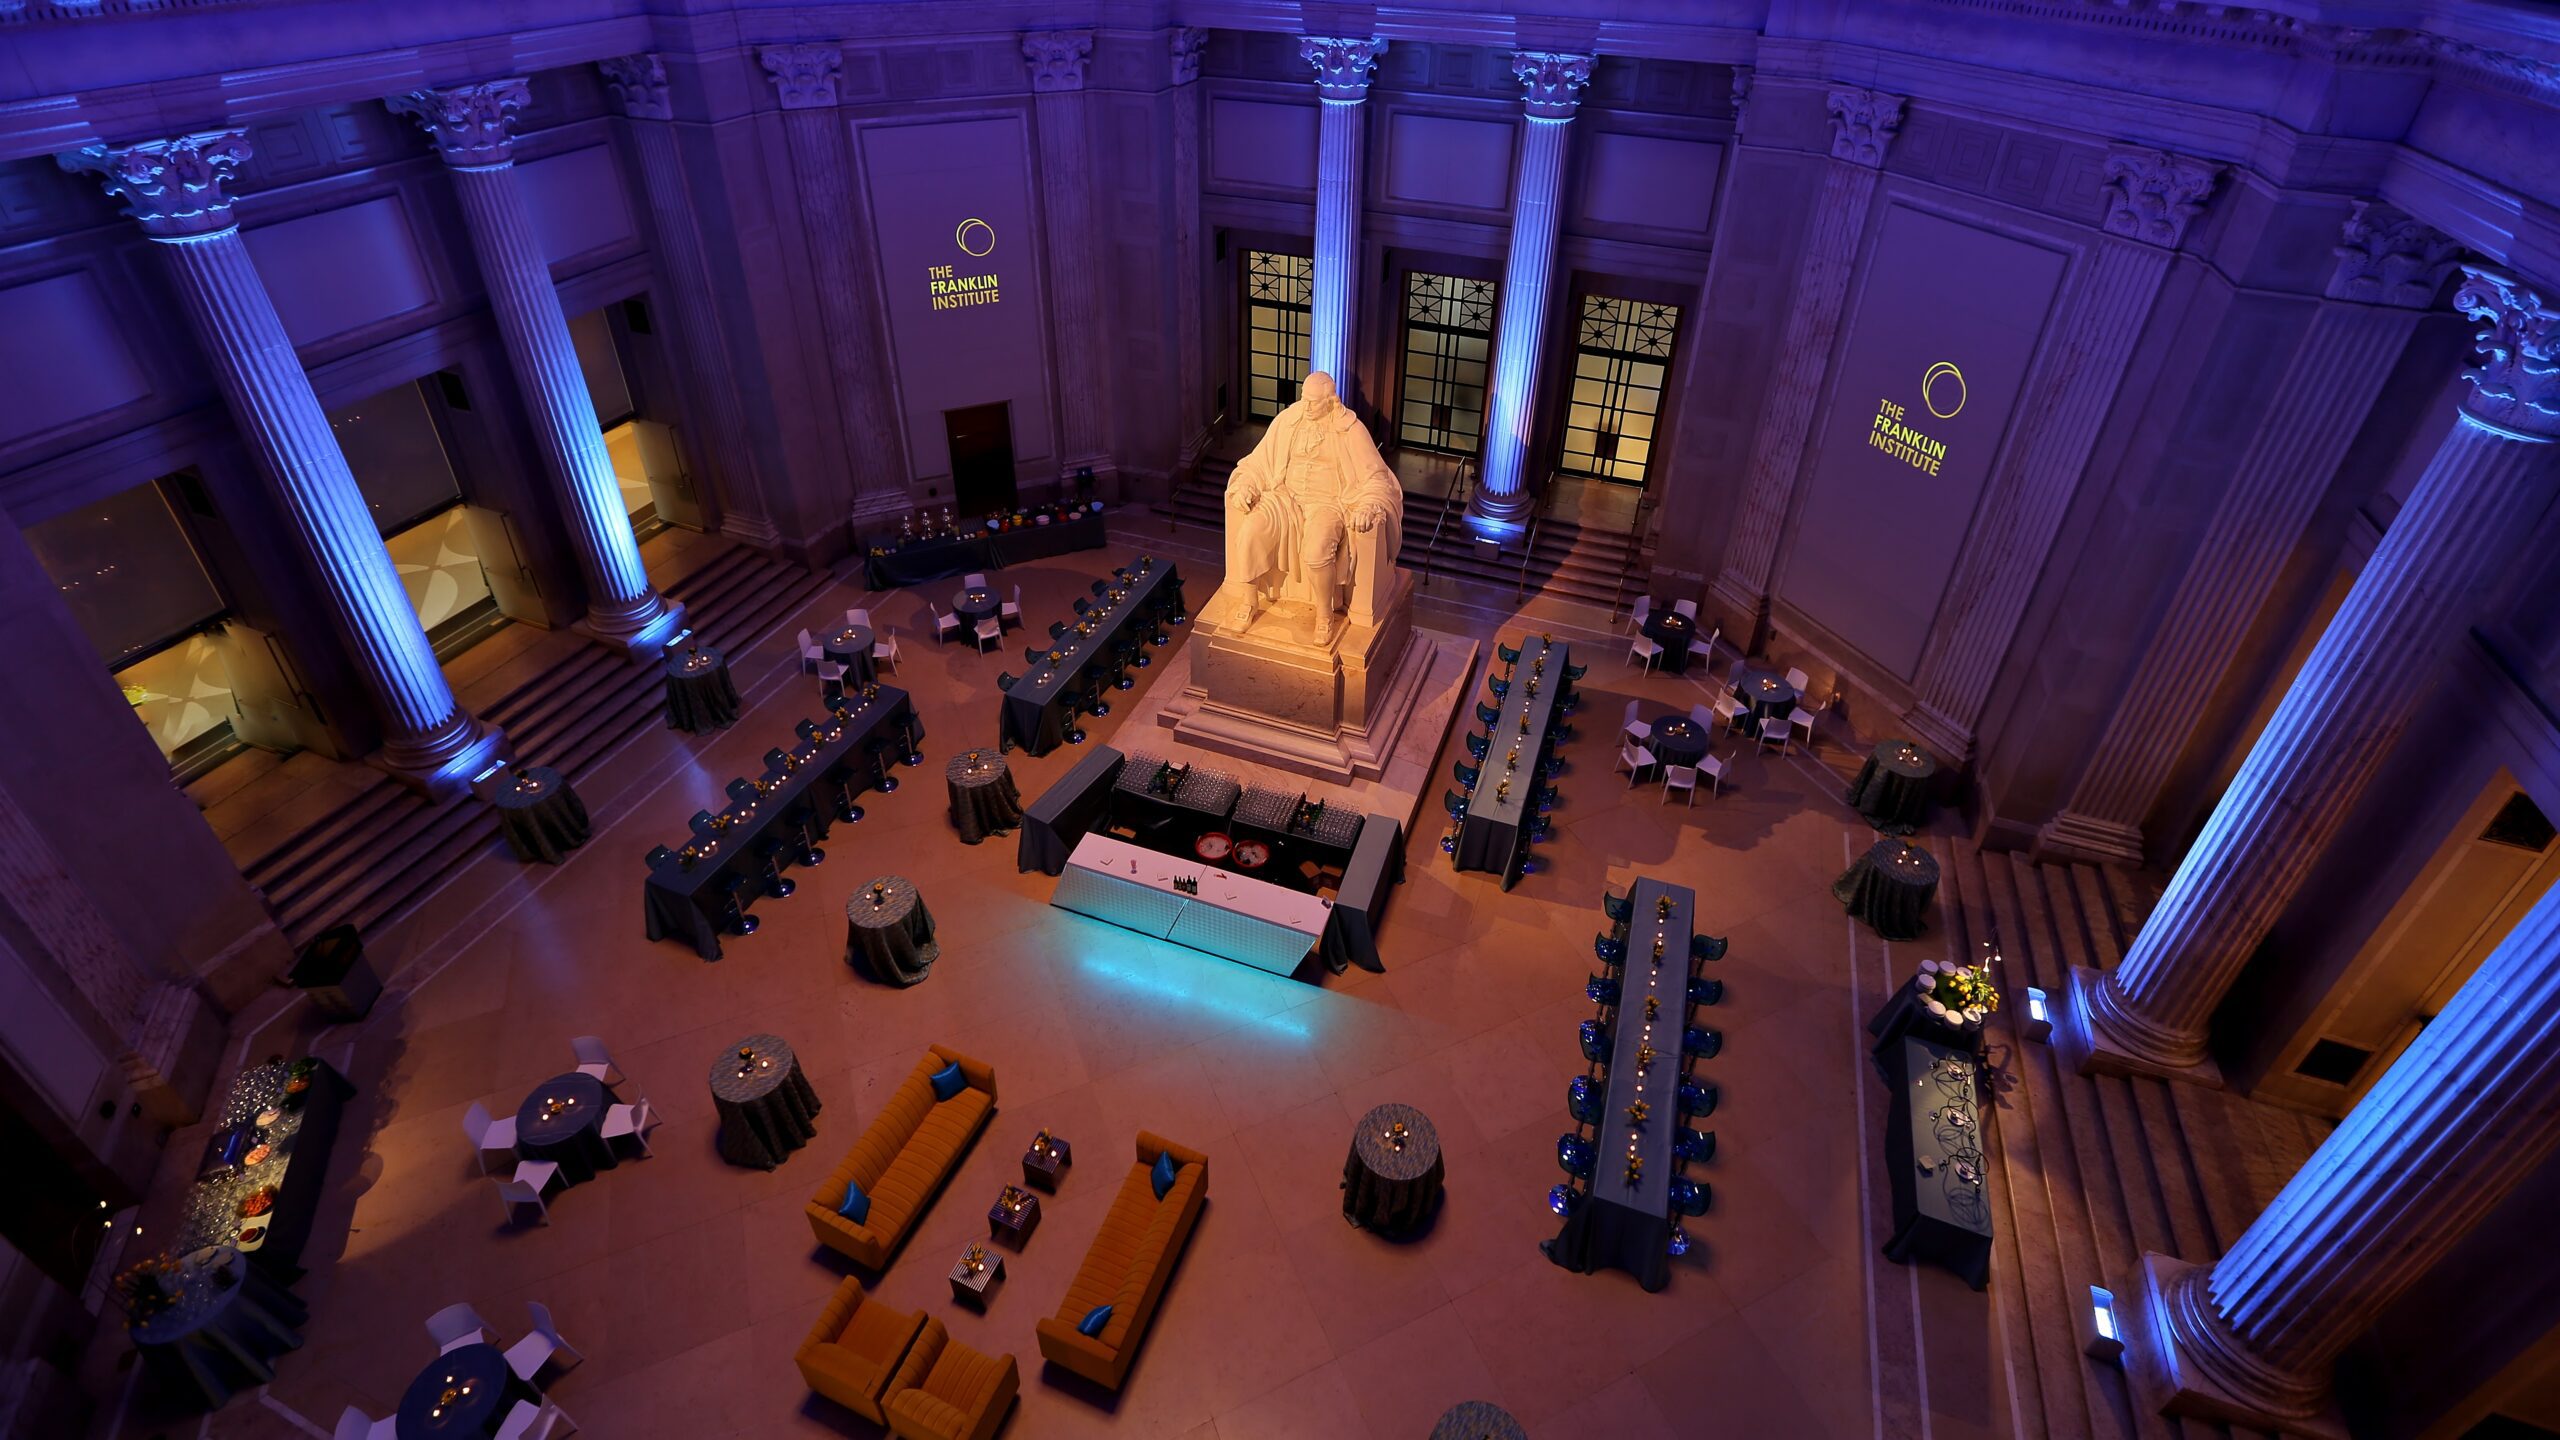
948,1081
855,1206
1093,1321
1163,1175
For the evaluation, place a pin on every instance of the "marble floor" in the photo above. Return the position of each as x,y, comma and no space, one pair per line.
688,1283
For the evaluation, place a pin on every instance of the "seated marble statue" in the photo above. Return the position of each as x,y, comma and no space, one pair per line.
1313,515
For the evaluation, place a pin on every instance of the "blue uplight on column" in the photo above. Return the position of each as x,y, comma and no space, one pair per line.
1553,84
1342,67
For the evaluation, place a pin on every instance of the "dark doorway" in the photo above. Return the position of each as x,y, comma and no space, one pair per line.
981,439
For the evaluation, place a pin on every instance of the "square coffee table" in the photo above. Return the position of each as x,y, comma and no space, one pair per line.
1014,1216
1046,1161
975,1288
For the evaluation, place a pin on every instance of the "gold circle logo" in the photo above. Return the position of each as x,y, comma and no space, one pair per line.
1931,389
975,237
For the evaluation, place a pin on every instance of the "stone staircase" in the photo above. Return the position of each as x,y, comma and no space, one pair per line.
1566,561
2092,1171
371,859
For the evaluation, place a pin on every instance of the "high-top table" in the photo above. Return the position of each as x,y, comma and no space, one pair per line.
1040,708
889,932
766,1106
701,694
541,816
1391,1183
1494,835
1890,888
984,800
1892,787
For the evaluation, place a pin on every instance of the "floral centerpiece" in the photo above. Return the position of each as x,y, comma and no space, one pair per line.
1960,994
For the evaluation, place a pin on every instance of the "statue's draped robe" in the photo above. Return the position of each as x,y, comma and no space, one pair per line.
1296,529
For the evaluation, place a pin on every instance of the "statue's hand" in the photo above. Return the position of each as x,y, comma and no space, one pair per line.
1241,500
1365,518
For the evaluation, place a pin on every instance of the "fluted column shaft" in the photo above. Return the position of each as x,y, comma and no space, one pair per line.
1503,497
2465,1113
2491,477
1191,364
1058,59
1342,69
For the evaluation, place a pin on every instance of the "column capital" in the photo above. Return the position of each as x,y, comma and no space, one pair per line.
2387,258
1553,81
1188,41
2153,196
804,75
1342,64
1863,124
639,86
2515,388
174,189
1058,58
468,123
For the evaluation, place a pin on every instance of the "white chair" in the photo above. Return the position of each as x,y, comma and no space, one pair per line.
594,1059
1802,719
810,654
354,1424
1687,609
830,674
522,1194
1798,679
634,1121
1713,769
1635,729
490,1137
944,626
884,651
455,1325
1773,730
530,1422
1730,710
1636,616
1702,716
1682,778
1637,759
973,581
541,1346
990,632
1645,652
1011,610
858,615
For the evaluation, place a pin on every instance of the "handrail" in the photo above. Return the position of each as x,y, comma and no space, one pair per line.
1635,535
1431,552
1529,540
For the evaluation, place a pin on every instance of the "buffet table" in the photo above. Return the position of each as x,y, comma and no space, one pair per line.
1069,807
1252,922
919,561
1933,1159
291,1112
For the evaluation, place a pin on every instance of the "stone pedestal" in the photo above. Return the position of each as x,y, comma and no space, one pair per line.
1263,690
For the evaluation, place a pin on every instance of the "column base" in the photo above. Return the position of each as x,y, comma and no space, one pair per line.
443,765
642,632
1951,738
1502,520
1742,611
177,1044
2173,1372
753,530
2093,1044
2074,836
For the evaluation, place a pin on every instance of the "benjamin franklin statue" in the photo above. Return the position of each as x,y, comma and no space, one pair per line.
1313,515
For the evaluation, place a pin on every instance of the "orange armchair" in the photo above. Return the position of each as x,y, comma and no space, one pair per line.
947,1391
853,1351
901,1160
1128,1265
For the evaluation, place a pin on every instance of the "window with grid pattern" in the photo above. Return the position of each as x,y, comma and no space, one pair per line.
1448,339
1279,290
1621,359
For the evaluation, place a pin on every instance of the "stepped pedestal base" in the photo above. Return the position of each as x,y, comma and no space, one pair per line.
1265,690
2088,1048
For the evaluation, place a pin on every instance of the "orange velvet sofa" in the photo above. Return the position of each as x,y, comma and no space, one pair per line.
911,1147
1128,1264
854,1350
947,1391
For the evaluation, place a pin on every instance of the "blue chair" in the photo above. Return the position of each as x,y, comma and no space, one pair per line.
1695,1145
1498,686
1546,798
1619,908
1706,992
1510,653
1576,672
1031,653
1004,680
1564,1198
1099,586
1562,732
1706,947
1551,767
1701,1044
1583,1101
1454,803
1689,1197
1537,829
1595,1041
1082,604
1698,1098
1057,628
1610,949
1467,774
1488,715
1601,990
1576,1155
1477,745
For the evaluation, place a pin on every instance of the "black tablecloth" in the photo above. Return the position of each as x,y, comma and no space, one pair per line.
1389,1189
1765,696
1677,740
1892,788
1477,1420
495,1391
223,1332
765,1104
1890,888
984,801
850,647
1377,863
574,1138
301,1136
1675,633
1943,1214
701,696
686,899
1905,1014
541,816
1040,708
891,942
1071,805
916,563
1202,800
1493,837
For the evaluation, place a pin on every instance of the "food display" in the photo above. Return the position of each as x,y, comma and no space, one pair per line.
258,1155
258,1202
1213,846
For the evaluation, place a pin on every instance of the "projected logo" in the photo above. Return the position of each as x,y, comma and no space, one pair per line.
1942,394
950,290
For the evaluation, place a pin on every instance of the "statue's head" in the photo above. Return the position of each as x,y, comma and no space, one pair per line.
1318,394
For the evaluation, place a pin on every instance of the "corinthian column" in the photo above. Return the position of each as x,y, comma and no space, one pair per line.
175,190
1190,330
804,81
1553,89
1863,123
1058,59
2471,1108
1342,67
2389,270
468,124
2461,529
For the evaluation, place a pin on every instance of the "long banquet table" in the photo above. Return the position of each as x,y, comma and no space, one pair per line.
919,561
1040,708
1249,921
1494,835
298,1140
687,901
1942,1212
1052,824
1621,1223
